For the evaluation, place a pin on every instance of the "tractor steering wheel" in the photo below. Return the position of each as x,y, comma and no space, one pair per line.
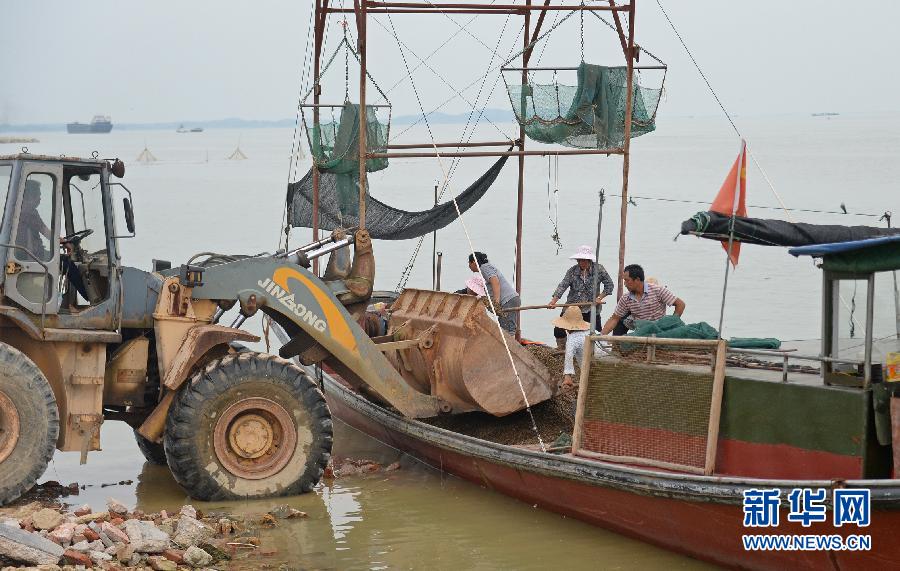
76,237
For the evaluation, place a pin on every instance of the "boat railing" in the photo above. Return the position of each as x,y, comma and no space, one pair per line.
786,355
632,411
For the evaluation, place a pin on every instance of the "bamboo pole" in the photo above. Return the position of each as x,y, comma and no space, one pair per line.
547,306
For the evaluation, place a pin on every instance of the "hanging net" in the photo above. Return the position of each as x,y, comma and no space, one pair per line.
340,210
335,150
590,115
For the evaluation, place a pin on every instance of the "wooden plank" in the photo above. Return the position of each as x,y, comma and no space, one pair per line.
715,408
637,461
587,358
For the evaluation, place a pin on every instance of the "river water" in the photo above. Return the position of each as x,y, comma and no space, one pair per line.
193,199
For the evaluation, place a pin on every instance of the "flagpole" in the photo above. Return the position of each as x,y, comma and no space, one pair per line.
727,268
736,201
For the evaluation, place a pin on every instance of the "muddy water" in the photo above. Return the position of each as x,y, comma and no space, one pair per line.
410,518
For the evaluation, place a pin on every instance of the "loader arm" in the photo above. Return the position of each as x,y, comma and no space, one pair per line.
309,310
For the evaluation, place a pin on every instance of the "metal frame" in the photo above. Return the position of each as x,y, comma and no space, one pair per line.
362,8
720,346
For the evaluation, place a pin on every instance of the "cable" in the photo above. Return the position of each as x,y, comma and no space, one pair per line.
722,106
813,211
459,215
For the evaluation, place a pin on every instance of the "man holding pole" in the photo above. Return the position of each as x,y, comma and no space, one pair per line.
579,280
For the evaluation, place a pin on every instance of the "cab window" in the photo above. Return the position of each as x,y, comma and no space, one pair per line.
36,218
5,175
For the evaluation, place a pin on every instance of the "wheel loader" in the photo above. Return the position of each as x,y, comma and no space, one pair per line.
85,339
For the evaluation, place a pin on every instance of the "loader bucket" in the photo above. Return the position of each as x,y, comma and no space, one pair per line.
448,346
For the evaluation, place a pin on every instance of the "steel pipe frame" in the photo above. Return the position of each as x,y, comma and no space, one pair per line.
493,154
448,8
453,145
363,7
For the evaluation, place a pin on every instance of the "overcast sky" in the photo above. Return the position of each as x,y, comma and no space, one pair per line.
170,60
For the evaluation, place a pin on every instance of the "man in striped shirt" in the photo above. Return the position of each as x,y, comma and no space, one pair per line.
643,301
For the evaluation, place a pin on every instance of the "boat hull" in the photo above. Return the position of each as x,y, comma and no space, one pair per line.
92,128
697,516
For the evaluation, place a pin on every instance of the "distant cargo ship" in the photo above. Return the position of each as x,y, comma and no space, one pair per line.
182,129
99,124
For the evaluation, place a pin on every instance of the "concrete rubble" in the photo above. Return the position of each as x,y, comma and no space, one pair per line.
38,537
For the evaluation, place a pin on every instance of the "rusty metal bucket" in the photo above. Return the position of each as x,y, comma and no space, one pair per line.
446,345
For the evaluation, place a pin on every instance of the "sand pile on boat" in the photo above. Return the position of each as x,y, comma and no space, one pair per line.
552,417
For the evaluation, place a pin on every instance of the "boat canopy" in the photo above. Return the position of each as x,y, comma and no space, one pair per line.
765,232
859,256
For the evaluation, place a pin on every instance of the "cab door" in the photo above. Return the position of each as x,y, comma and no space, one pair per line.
32,265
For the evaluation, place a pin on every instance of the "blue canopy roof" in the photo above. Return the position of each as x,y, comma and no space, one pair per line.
839,247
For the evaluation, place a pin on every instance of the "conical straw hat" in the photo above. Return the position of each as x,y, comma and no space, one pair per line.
571,320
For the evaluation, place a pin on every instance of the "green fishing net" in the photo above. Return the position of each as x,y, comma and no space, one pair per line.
335,149
590,115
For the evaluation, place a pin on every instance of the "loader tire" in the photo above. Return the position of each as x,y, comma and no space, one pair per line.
29,423
153,452
249,425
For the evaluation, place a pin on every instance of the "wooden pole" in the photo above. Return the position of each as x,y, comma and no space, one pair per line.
626,147
360,6
715,407
520,198
587,357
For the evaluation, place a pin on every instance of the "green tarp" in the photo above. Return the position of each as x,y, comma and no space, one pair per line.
672,327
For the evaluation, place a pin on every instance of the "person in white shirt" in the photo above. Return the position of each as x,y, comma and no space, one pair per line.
576,329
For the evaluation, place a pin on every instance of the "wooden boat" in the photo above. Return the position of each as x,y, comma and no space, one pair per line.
782,429
699,516
685,441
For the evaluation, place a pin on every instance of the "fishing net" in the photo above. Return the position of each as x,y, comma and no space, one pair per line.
590,115
334,146
340,209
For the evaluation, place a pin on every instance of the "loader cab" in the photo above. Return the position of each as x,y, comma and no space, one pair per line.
58,241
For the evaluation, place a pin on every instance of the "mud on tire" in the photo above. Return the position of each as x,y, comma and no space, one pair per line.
249,425
29,423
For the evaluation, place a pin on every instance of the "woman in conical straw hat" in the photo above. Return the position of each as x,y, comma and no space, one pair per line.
579,280
576,329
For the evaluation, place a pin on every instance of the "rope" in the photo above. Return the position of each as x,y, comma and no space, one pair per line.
284,234
407,271
810,210
402,45
459,215
446,101
725,111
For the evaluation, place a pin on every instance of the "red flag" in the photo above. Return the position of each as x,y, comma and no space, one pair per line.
732,197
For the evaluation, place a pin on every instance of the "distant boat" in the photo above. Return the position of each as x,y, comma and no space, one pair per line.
197,130
99,124
825,114
182,129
